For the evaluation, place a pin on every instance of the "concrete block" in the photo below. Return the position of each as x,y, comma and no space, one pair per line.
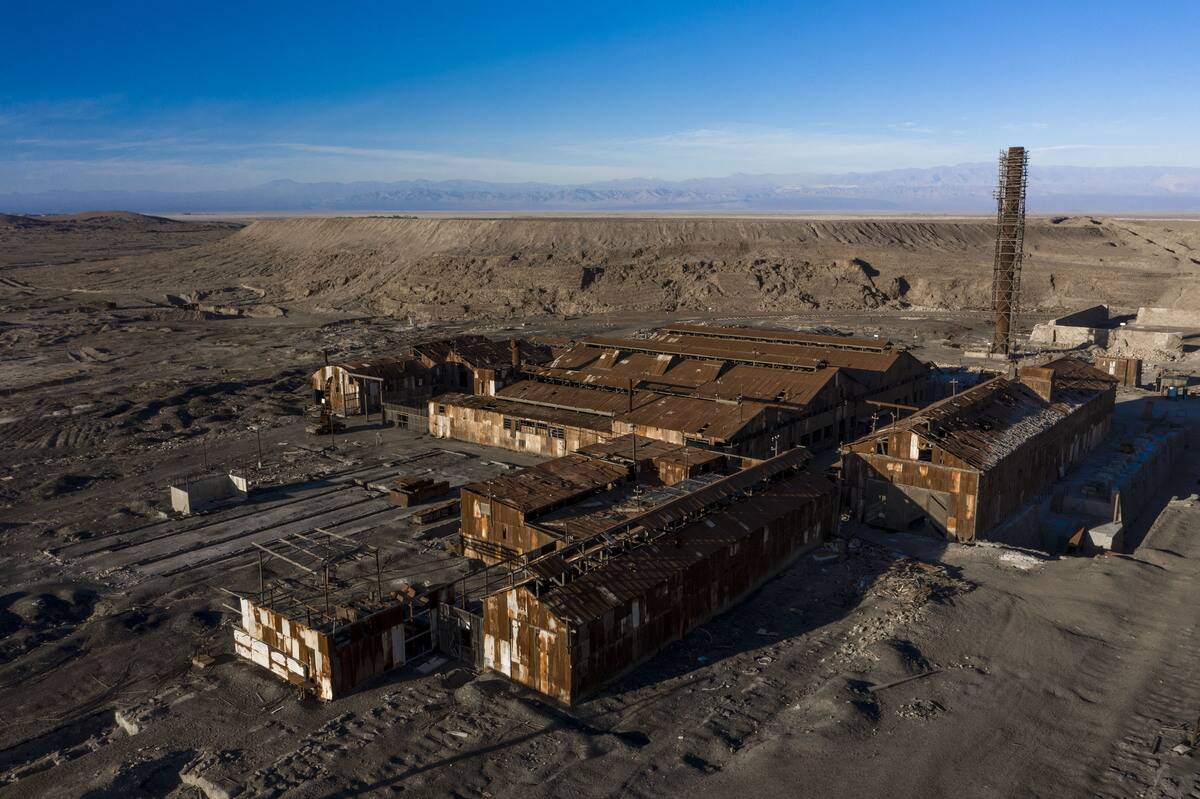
208,492
1169,317
1134,341
134,719
1105,537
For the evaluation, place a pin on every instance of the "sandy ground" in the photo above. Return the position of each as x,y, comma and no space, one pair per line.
1045,677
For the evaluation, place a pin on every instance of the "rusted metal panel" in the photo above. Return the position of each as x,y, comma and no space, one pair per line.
989,450
1127,371
524,641
332,664
495,532
568,640
413,490
771,355
522,428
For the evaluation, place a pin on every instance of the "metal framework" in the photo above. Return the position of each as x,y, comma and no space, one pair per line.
316,594
1010,245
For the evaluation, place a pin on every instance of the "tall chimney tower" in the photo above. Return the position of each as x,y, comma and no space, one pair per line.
1010,245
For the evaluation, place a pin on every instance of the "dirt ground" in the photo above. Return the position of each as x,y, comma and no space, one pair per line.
1045,677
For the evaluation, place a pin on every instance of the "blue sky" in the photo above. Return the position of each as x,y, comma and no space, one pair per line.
180,96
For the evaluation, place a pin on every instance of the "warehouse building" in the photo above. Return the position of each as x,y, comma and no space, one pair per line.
739,390
530,512
325,624
963,465
400,387
627,580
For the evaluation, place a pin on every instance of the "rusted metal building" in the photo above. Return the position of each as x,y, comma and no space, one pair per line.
963,465
416,490
322,629
355,388
520,426
527,513
740,390
593,609
402,386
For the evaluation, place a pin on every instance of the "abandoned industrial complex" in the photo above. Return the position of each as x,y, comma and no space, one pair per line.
627,578
679,477
592,562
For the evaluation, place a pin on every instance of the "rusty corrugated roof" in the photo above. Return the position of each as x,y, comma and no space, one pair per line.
769,385
700,418
549,483
1072,373
639,571
383,368
587,400
521,410
984,424
777,355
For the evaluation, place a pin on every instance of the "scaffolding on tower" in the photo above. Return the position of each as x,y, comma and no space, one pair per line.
1010,244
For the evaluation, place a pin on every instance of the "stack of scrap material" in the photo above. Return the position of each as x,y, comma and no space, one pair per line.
409,491
437,511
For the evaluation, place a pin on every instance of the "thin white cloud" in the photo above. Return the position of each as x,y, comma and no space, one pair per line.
912,127
1056,147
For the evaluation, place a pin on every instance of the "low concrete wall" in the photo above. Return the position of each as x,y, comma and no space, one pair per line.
1138,342
1077,329
1168,317
199,494
1068,336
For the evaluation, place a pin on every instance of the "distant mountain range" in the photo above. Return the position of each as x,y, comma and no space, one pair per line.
961,188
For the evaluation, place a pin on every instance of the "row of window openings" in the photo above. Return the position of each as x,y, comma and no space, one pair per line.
520,425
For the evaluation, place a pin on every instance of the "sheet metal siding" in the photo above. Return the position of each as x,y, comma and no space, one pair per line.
367,648
1128,371
961,484
486,427
641,627
499,535
569,659
334,665
981,499
524,641
1038,463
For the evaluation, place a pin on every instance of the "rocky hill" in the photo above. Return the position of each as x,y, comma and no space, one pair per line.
459,268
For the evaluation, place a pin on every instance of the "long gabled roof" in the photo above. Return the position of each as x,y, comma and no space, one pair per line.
565,417
702,418
638,572
549,483
987,422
